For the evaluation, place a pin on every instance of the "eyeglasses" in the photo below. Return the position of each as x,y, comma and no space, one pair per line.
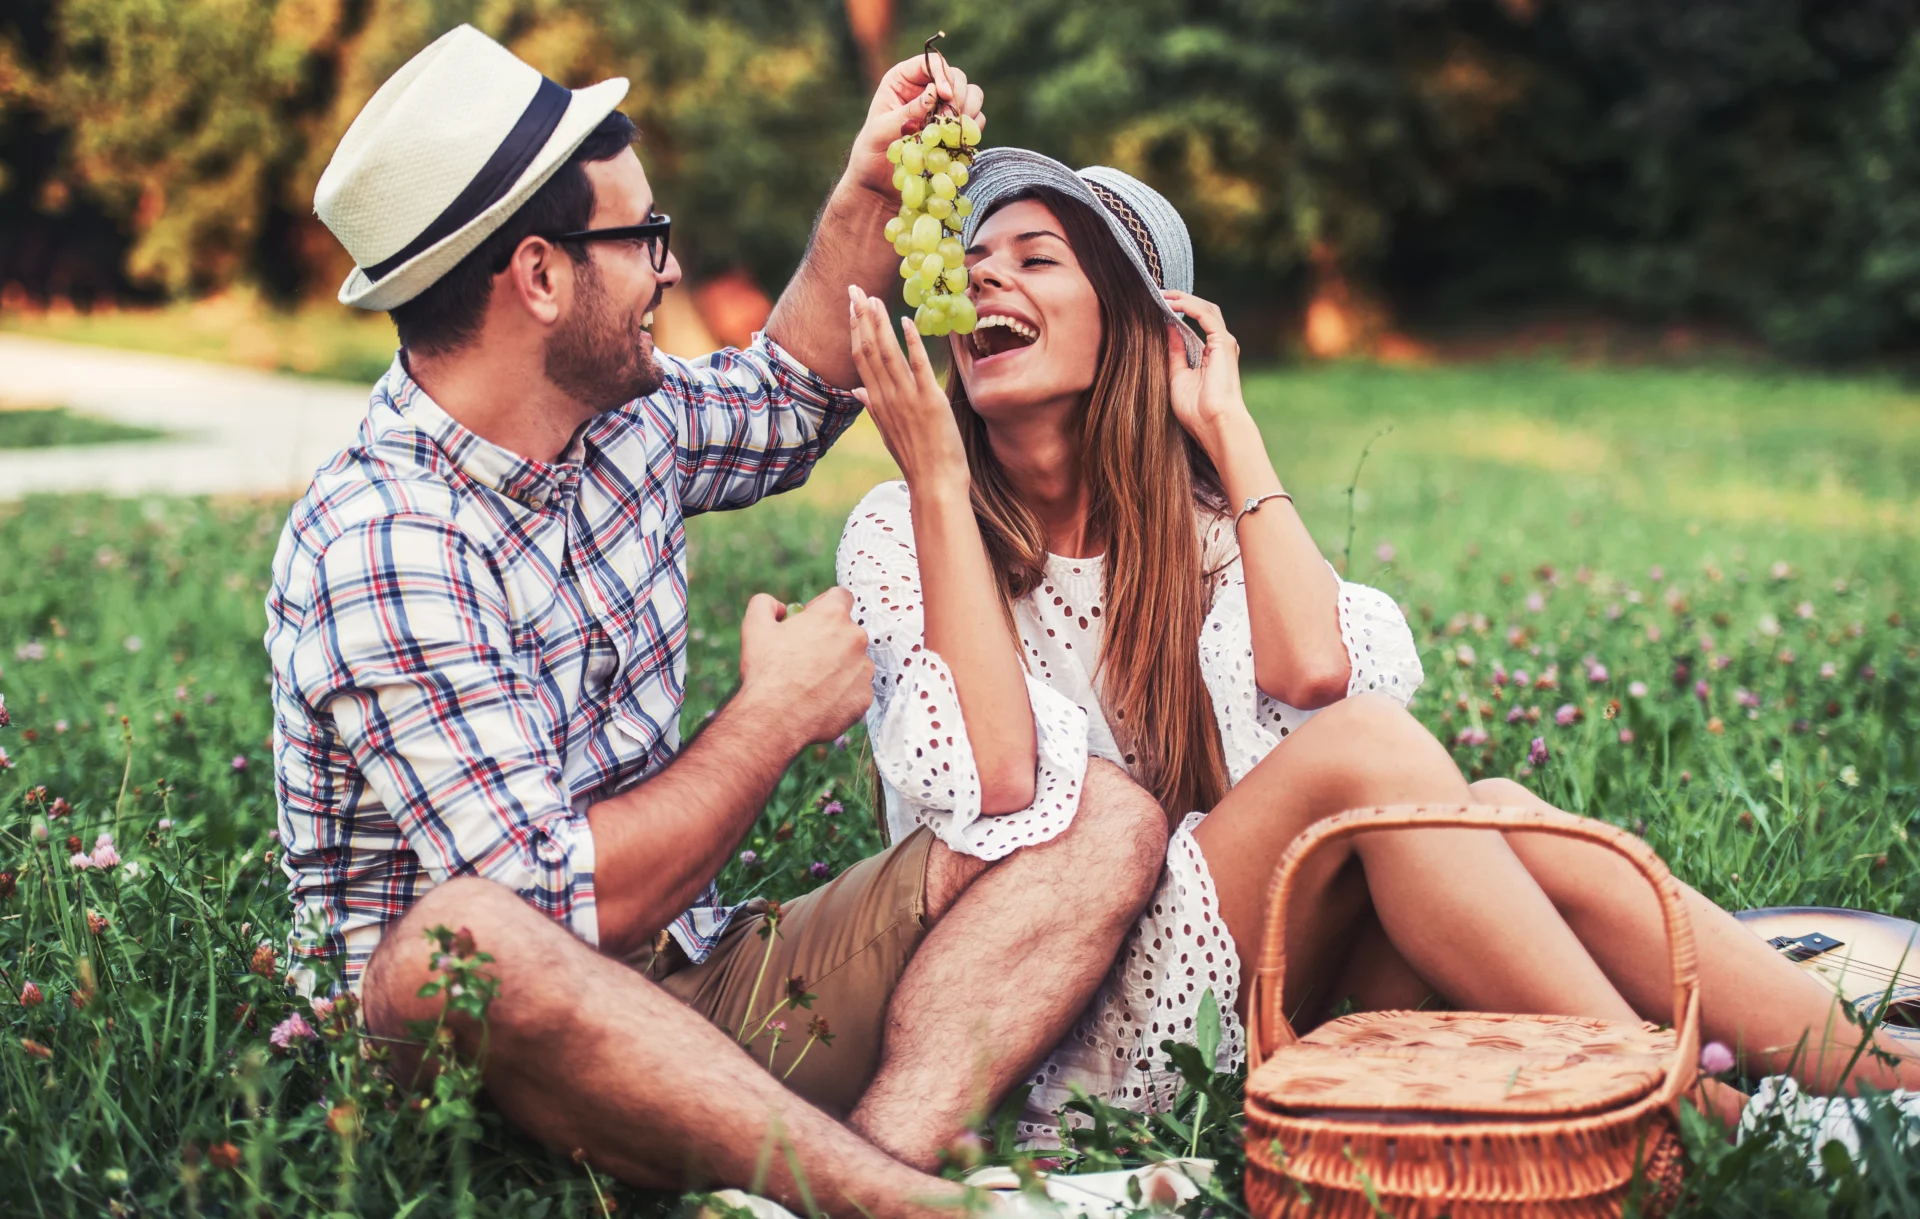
654,232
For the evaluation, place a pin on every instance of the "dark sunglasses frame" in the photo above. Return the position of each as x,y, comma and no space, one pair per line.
655,232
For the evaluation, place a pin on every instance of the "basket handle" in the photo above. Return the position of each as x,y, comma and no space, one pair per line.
1268,1028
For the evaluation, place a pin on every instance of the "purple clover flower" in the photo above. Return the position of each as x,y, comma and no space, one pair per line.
1537,754
1715,1058
293,1028
819,870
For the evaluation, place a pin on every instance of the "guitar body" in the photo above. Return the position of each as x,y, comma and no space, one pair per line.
1869,959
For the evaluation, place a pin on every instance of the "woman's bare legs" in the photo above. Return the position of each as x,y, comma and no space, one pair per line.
1774,1015
1458,904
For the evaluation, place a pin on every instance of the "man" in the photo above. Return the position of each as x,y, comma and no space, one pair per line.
477,627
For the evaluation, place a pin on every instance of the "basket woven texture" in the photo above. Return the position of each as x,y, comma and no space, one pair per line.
1471,1115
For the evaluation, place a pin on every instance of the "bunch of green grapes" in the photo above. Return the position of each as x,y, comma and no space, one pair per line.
930,169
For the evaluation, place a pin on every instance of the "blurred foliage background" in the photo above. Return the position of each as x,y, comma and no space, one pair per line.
1349,167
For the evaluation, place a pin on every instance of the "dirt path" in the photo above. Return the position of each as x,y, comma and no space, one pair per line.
231,430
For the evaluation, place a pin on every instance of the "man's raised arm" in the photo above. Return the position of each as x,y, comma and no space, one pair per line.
809,319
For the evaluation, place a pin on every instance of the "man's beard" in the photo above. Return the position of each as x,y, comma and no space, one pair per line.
602,357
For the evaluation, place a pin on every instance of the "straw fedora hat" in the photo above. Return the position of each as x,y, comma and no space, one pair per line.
442,154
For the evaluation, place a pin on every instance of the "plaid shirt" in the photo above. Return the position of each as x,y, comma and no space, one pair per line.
470,648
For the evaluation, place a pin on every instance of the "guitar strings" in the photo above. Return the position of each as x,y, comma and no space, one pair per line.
1864,969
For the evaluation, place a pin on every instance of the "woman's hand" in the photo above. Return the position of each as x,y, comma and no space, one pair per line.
905,400
1207,397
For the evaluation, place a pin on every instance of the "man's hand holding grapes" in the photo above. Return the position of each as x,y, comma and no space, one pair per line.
847,248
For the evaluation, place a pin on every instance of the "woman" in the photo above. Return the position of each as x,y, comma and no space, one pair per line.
1092,560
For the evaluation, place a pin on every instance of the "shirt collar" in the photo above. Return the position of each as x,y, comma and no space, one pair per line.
533,484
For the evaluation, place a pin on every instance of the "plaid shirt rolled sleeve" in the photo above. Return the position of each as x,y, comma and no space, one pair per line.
470,648
748,424
413,661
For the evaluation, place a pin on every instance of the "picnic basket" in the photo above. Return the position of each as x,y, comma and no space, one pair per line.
1469,1115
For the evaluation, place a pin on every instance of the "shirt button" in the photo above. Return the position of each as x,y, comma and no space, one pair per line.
536,503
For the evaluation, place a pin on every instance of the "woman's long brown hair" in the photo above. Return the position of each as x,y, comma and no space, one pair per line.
1144,476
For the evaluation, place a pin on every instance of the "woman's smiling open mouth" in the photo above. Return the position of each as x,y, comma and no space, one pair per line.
999,333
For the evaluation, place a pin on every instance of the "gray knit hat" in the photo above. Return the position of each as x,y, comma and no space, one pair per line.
1147,227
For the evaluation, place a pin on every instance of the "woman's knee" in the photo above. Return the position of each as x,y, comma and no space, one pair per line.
1501,791
1373,717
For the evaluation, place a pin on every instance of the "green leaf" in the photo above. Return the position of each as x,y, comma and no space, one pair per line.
1206,1032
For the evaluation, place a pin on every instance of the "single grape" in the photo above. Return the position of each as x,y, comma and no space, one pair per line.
909,266
955,279
964,316
953,222
969,131
903,244
913,190
943,186
959,173
939,208
893,229
899,178
937,160
915,291
894,151
932,267
913,158
926,234
950,134
927,319
951,252
963,207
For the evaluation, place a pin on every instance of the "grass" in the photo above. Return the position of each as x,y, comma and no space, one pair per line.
321,339
47,427
1749,535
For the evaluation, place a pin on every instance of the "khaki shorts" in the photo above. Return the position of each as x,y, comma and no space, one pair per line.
848,941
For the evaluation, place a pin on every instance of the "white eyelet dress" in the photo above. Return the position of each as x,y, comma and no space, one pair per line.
1180,948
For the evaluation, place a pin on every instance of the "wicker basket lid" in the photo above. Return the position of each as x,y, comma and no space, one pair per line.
1466,1063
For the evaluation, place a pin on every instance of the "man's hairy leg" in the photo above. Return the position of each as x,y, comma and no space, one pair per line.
585,1053
1016,951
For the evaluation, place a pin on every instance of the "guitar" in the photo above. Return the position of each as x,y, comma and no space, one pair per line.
1868,959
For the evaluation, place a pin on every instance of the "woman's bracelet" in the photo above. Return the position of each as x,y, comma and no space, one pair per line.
1253,505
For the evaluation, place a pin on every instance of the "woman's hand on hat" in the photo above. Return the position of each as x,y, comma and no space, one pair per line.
906,96
905,400
1208,397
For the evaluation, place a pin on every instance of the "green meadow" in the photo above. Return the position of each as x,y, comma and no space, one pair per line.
1706,574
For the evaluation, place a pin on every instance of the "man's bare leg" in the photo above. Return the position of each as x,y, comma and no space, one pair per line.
1775,1016
1016,951
585,1053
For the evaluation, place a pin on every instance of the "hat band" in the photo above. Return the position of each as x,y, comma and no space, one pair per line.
496,177
1124,213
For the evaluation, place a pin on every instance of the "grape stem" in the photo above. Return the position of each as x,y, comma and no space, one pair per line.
927,58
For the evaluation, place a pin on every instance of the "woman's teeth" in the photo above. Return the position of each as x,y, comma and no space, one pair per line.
997,333
648,319
1020,328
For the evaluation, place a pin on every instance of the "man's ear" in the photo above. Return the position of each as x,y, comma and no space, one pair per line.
538,276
